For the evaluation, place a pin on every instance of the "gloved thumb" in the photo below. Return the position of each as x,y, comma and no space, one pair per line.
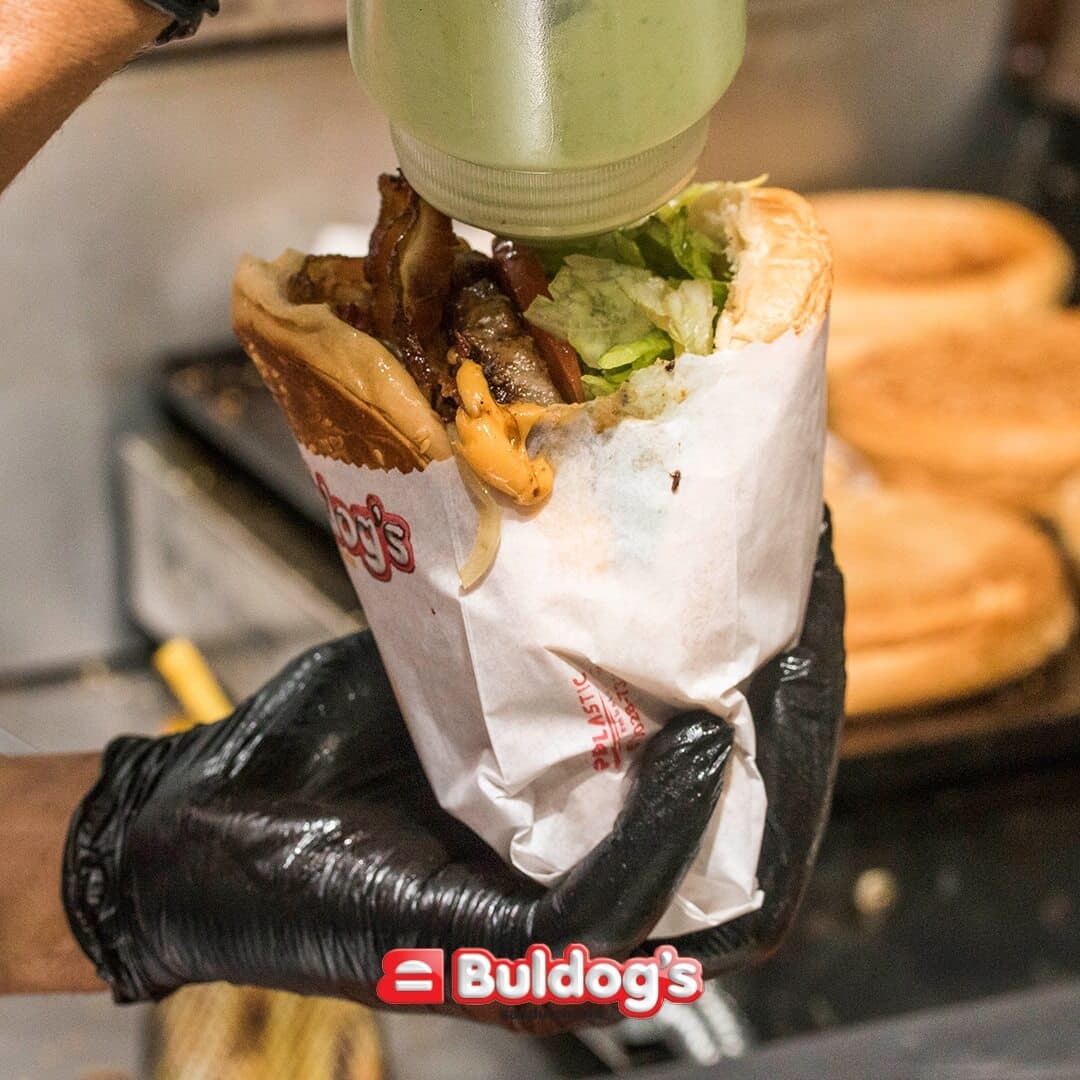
615,895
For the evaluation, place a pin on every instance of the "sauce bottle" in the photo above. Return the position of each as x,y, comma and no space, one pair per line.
547,118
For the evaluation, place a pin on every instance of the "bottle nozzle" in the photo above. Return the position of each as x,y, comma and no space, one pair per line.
565,203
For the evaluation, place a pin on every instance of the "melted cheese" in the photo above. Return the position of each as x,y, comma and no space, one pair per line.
493,440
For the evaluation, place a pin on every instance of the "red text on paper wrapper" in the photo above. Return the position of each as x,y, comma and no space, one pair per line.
615,725
380,540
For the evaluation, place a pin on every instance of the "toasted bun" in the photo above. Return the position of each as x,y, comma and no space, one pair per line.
912,262
946,596
782,260
347,397
1067,516
994,412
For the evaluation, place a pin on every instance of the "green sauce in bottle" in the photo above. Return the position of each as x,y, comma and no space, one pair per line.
547,117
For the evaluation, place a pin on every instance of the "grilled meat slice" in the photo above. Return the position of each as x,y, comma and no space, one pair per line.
469,267
488,330
336,280
409,268
522,278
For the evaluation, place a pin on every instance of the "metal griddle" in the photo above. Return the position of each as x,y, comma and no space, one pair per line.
219,396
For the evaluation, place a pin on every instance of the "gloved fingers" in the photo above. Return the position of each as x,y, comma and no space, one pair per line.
614,896
801,705
811,673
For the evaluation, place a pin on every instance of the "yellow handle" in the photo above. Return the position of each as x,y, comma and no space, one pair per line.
188,676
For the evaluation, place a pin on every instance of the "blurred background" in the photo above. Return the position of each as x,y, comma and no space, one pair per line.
153,492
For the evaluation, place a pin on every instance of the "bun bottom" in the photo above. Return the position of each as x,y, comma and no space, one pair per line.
1067,517
946,596
325,420
951,666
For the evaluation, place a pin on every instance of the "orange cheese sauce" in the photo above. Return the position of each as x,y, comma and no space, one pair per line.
493,438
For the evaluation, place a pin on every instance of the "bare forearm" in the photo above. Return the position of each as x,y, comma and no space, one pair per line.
37,798
53,54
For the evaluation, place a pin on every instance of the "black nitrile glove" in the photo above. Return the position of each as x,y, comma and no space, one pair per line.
296,842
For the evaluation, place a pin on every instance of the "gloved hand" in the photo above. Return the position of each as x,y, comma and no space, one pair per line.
296,842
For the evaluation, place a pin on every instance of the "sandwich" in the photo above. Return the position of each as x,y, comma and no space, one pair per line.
580,482
426,348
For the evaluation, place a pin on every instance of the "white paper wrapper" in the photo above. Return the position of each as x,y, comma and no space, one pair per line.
617,604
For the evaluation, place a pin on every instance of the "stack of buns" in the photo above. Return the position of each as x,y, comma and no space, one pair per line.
955,386
1067,516
909,263
946,595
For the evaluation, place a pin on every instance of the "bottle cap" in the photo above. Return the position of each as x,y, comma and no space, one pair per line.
569,202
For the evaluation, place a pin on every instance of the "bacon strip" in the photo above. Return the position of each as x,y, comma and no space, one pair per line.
488,330
337,280
409,267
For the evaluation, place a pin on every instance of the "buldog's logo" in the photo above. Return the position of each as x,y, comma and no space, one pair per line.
640,987
380,540
412,977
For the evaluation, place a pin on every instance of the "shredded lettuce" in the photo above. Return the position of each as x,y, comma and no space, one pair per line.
597,386
590,307
647,350
671,248
621,361
685,312
619,247
666,244
620,318
629,298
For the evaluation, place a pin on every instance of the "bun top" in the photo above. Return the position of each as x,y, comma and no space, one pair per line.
782,259
910,262
914,240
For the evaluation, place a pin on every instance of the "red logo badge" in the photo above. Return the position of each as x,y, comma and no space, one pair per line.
380,540
412,977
